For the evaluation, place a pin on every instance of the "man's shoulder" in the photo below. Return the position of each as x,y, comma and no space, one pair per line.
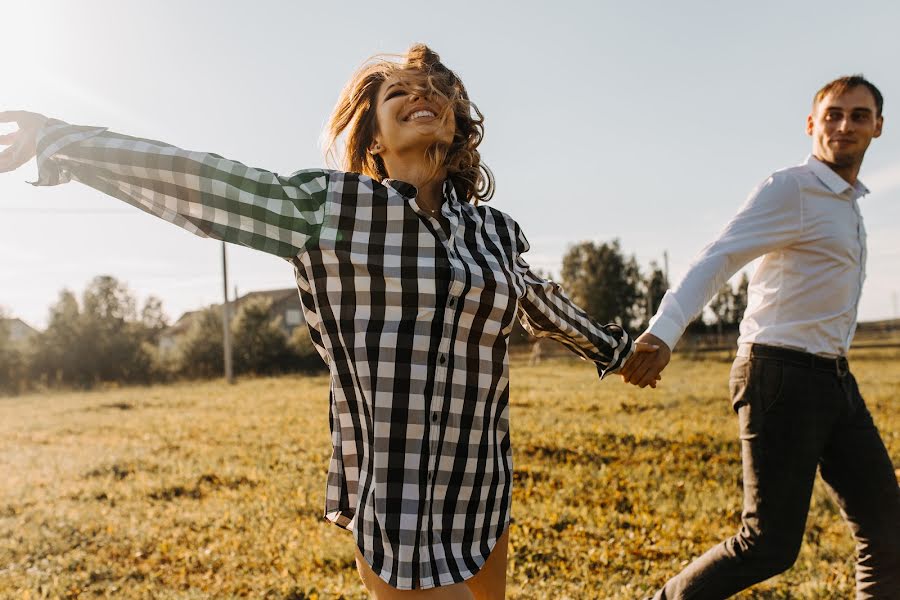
790,175
784,182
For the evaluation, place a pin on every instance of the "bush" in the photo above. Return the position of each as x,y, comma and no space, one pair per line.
12,362
200,351
100,340
260,346
306,356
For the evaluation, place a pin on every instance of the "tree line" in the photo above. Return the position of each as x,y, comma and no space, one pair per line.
611,287
106,337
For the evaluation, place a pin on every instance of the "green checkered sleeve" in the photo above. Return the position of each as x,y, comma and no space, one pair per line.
203,193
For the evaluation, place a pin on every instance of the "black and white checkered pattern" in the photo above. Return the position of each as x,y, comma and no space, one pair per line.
412,318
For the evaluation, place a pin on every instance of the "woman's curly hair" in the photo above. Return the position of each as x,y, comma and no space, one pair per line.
354,117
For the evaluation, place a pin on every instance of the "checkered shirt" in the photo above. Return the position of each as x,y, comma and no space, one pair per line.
412,318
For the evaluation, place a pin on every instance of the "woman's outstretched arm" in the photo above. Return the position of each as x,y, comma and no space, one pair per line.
546,311
203,193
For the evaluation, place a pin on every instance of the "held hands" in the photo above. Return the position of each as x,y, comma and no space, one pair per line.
641,349
650,357
22,143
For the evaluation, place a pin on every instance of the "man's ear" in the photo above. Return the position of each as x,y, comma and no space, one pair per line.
809,124
879,123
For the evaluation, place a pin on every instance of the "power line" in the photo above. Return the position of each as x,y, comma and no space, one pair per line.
67,211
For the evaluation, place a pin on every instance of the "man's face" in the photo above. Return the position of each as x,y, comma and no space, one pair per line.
842,126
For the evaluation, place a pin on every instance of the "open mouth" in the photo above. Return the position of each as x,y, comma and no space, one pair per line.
421,114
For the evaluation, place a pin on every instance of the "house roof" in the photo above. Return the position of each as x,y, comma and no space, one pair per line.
18,328
184,321
274,295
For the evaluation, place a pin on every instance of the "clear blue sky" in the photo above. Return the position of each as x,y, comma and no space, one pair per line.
649,122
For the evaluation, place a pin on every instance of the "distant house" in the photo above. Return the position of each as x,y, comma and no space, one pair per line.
168,339
285,304
19,330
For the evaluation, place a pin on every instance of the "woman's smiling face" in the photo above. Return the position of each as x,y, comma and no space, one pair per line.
409,117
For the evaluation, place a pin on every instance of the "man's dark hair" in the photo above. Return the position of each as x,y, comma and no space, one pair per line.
848,82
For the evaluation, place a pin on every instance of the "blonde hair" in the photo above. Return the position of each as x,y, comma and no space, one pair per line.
354,117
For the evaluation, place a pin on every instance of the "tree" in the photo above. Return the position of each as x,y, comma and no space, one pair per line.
652,289
58,357
101,339
154,319
200,351
260,346
12,360
111,329
741,298
602,281
729,304
722,307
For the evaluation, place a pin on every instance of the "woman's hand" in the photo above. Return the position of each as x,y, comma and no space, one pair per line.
642,348
643,368
22,143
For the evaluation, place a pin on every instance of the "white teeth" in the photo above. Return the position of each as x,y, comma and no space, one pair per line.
420,114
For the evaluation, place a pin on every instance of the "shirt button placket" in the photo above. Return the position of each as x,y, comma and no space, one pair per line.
441,374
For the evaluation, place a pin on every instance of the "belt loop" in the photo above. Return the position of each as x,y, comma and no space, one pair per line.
842,367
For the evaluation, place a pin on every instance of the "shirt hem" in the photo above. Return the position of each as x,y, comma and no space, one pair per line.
464,578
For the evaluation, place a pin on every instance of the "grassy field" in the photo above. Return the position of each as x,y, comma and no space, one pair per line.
209,491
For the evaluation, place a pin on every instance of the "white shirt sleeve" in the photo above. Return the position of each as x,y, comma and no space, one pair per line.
771,218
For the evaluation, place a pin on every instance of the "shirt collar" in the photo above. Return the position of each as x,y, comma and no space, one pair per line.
832,180
408,190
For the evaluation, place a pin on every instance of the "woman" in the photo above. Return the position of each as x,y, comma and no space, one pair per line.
409,287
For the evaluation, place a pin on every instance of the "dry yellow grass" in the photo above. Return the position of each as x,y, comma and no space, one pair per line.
209,491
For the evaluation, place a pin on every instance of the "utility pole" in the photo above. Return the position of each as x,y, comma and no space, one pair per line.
666,267
226,320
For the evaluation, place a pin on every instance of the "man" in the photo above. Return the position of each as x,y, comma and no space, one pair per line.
798,405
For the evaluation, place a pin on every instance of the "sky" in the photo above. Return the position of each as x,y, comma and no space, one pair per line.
647,122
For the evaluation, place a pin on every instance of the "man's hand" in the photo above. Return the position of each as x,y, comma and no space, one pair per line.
644,368
642,349
22,143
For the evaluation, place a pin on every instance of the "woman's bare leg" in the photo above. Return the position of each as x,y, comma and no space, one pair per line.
490,582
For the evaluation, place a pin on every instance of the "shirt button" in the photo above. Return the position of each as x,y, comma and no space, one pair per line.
430,475
443,359
434,417
451,302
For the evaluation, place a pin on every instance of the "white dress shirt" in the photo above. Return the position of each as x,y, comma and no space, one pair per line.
805,222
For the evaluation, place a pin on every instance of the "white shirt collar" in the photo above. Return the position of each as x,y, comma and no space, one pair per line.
832,180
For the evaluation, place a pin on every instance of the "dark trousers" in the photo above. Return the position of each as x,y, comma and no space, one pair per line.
798,412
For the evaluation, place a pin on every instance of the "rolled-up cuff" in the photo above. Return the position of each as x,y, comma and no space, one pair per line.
51,140
624,350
